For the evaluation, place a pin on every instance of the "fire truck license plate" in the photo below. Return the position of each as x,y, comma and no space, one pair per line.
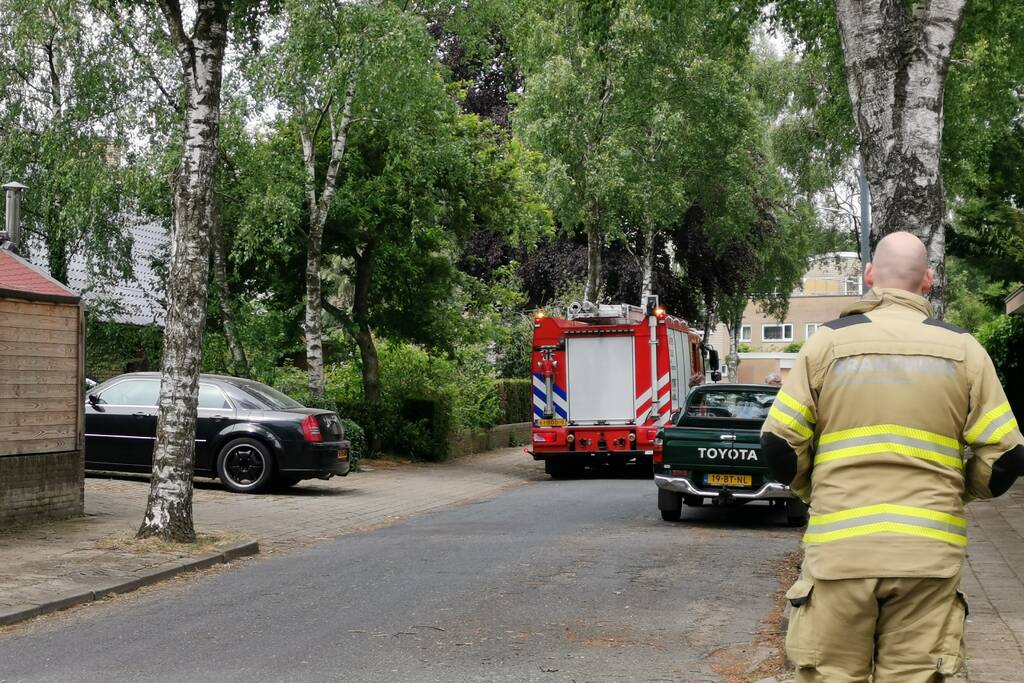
730,480
550,423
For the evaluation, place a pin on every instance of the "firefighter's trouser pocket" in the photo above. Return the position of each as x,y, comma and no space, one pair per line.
952,649
801,639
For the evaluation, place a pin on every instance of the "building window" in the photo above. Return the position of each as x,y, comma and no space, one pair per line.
745,333
777,333
853,285
811,329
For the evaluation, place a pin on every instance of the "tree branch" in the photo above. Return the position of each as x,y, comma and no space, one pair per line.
147,65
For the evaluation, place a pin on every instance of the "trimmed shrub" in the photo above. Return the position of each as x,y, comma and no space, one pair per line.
357,440
515,400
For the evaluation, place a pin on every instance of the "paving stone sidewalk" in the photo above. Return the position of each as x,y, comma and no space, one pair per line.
66,560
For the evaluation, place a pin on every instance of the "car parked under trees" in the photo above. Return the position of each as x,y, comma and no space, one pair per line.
248,434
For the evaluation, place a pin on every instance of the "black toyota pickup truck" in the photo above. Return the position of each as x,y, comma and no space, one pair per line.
711,451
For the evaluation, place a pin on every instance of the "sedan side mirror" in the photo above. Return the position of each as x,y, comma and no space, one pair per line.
94,399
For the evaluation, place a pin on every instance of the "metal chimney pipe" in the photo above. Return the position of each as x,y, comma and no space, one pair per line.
14,191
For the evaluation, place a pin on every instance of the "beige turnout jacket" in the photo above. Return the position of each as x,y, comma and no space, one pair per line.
877,412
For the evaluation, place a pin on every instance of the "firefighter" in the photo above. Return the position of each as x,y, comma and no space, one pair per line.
870,427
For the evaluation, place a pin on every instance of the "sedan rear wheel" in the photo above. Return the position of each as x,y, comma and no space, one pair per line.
245,466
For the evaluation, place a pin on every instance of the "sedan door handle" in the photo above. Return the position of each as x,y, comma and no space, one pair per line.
140,414
218,418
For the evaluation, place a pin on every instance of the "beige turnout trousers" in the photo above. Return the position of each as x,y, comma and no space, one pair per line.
900,630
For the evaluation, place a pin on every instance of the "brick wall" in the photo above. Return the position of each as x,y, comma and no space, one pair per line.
41,486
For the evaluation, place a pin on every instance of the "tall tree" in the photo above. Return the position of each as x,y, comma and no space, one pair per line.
65,107
329,55
200,52
897,56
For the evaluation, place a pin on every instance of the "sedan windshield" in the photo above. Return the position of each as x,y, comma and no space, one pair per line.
747,404
269,396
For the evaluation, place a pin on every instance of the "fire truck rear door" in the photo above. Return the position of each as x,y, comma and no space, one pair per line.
601,379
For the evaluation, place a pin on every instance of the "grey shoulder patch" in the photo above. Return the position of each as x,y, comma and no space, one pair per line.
944,325
847,321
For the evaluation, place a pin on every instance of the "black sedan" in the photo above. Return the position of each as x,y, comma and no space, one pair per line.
248,435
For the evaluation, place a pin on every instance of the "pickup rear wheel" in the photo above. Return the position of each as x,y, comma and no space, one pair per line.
670,503
796,512
693,501
671,515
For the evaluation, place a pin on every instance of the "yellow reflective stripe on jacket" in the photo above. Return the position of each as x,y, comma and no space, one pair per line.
993,425
886,518
794,414
889,438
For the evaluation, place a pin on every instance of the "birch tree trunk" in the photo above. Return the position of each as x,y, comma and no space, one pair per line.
595,241
733,359
897,57
319,208
169,508
239,363
647,264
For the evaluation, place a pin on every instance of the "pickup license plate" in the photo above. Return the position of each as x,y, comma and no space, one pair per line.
550,423
730,480
343,455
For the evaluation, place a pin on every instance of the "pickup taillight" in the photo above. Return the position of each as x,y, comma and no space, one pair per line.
311,429
659,451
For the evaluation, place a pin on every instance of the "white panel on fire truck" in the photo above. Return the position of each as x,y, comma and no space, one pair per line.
687,366
676,364
673,362
601,378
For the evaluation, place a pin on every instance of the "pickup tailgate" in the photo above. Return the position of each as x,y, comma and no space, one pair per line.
707,452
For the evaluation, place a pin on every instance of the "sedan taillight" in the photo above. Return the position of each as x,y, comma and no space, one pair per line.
311,429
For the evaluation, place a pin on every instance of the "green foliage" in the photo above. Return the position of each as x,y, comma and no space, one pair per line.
1003,338
424,397
356,436
114,348
794,347
65,109
267,335
974,298
744,347
515,399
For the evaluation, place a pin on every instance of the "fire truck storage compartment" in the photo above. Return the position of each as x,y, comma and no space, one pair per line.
601,378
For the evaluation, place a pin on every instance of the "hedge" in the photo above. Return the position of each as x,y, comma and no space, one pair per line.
515,400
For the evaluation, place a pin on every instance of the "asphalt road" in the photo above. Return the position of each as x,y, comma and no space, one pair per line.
555,581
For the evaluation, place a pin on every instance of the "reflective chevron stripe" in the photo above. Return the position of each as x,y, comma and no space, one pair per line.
887,518
889,438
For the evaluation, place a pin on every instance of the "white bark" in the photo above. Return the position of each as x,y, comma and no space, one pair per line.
319,208
647,265
896,64
169,508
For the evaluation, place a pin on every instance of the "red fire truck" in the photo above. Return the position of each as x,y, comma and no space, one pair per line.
605,378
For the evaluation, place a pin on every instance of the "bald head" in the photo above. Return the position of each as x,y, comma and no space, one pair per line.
900,262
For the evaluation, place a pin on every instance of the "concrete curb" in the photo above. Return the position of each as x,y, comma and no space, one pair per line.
19,613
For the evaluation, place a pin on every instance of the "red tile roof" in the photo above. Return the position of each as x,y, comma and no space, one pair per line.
19,277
